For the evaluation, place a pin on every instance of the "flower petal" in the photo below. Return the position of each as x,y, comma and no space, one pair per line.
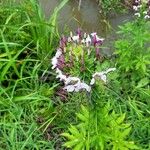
69,88
92,81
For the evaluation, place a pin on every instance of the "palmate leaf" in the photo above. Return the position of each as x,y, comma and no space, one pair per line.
68,136
126,132
120,119
71,143
74,131
81,117
97,131
76,138
79,146
84,114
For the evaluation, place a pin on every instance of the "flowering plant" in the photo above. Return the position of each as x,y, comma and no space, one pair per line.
76,59
142,8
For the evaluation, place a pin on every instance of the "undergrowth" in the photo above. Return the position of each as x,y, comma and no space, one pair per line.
34,111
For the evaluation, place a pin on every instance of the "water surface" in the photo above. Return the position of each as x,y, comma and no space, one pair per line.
87,17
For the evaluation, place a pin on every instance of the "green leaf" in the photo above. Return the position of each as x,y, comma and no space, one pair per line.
68,136
143,82
85,111
126,132
74,130
79,146
71,143
82,117
120,119
131,145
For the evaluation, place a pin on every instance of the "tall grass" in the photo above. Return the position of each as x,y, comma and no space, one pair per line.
27,41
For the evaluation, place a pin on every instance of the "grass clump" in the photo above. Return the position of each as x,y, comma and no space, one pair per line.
27,41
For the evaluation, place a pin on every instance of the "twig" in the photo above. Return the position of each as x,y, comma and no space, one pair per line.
79,6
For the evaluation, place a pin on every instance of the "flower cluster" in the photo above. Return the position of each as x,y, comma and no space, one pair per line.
142,8
72,83
73,50
101,75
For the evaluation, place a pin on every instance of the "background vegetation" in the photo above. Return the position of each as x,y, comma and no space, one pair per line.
33,114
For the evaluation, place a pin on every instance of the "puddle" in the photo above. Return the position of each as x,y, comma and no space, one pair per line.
87,17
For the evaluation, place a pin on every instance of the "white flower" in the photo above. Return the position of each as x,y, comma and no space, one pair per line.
58,53
135,8
70,80
109,70
58,71
69,88
83,41
54,62
77,87
145,12
76,38
85,35
147,17
136,1
137,14
92,81
83,86
69,39
93,34
88,40
101,75
54,59
60,75
99,39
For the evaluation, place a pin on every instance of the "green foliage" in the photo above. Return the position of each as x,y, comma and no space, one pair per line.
20,110
133,59
99,129
26,43
133,53
26,37
111,6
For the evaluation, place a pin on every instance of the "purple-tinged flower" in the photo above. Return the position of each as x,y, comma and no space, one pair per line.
79,32
77,48
61,62
97,49
96,40
63,42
